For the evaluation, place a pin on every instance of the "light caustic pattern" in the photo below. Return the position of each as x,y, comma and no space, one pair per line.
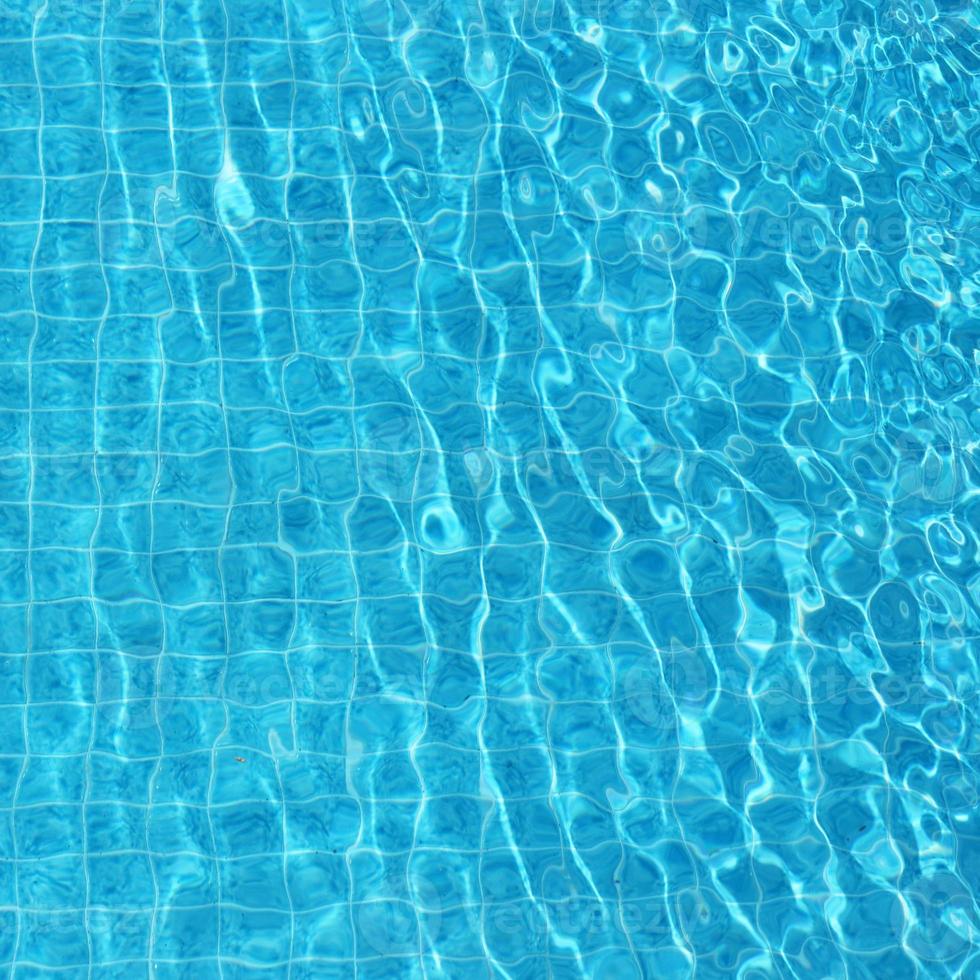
489,490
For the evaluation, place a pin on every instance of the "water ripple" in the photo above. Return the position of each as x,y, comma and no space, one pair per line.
490,488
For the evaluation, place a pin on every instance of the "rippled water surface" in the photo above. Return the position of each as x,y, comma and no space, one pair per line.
489,489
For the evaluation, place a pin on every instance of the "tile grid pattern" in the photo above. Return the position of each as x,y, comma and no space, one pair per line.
330,360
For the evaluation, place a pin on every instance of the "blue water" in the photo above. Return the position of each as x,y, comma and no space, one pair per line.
489,490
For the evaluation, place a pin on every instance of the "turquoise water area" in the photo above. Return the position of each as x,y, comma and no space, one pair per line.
489,489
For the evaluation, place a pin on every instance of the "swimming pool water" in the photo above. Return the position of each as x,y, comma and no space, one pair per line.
489,489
